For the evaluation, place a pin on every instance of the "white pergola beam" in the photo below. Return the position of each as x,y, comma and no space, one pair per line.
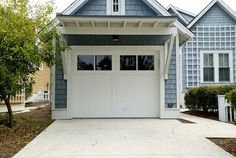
77,23
118,31
140,24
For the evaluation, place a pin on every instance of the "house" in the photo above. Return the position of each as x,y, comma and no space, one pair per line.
121,62
209,57
41,88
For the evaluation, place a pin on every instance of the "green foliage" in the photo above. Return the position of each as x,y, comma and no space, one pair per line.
25,42
28,37
231,97
205,98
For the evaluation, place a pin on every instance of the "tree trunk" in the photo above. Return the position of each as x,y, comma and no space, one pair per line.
10,113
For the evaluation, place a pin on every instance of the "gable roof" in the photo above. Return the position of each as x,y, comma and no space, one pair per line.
177,13
223,5
156,6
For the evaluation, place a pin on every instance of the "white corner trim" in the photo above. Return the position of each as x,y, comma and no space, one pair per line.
177,12
221,3
74,6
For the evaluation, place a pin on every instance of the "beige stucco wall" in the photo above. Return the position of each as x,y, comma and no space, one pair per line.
42,80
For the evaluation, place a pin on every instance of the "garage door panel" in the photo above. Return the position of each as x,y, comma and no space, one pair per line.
135,95
93,95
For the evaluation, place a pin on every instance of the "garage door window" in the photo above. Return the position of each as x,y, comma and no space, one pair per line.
146,62
85,62
128,62
103,62
134,62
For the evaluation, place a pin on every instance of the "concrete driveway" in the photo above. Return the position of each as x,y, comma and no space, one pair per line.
135,138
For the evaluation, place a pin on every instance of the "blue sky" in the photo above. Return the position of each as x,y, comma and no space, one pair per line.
194,6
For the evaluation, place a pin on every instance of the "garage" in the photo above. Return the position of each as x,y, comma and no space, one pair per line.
114,82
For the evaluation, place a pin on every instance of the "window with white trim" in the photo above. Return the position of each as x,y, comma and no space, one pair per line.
216,67
115,7
224,69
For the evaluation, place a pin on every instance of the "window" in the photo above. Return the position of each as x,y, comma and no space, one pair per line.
140,62
85,62
217,66
146,62
116,6
208,68
224,69
103,62
127,62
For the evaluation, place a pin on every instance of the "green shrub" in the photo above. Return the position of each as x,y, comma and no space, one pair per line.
205,98
231,97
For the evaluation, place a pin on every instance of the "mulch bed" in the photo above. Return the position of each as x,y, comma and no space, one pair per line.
208,115
27,127
228,144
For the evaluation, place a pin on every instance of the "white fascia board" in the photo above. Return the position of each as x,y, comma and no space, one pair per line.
224,6
163,11
184,11
74,6
158,7
176,12
227,9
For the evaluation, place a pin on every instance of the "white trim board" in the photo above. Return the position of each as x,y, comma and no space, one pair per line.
176,12
183,11
223,5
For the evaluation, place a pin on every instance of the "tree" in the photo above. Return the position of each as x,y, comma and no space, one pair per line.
26,40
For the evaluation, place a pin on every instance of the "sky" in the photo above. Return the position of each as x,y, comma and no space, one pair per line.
193,6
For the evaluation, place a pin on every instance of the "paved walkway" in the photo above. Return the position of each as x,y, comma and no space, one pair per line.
137,138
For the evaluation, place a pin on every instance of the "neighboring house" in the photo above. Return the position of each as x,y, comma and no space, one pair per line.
17,102
209,57
41,88
40,93
121,62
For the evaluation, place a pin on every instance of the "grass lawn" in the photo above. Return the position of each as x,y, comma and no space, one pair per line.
27,127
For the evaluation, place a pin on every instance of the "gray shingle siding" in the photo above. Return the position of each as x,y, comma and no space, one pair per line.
216,30
93,7
170,84
186,16
138,8
132,8
216,16
60,88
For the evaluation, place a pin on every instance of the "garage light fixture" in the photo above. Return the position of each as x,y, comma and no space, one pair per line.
115,38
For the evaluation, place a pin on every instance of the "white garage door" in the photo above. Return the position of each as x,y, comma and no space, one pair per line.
115,84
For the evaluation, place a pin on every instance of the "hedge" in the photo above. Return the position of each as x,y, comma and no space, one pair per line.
231,97
205,98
